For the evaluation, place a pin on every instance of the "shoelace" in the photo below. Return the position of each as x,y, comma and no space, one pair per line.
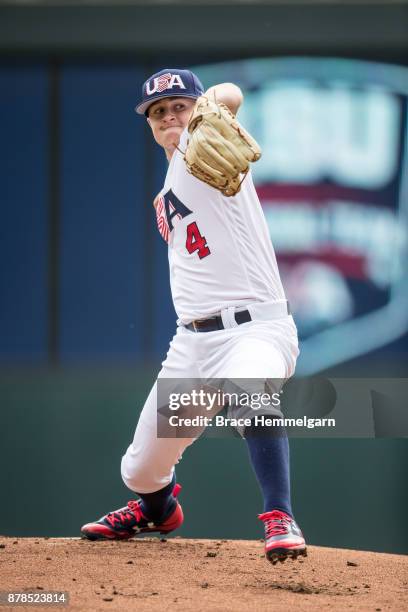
277,524
129,514
132,512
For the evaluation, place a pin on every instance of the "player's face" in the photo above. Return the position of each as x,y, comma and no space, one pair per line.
168,118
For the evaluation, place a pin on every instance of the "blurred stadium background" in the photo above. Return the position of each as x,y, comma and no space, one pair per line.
85,310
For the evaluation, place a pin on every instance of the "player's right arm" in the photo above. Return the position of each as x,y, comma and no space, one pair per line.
228,93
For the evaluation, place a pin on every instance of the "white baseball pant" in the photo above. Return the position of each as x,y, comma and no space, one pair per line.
257,349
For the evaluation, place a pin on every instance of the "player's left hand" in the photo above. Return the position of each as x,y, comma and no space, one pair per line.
219,150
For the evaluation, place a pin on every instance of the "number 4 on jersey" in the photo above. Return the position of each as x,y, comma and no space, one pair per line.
196,242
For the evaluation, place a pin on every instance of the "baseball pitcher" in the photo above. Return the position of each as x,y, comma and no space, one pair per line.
233,318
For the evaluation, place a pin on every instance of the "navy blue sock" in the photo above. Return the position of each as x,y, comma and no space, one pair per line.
269,452
158,505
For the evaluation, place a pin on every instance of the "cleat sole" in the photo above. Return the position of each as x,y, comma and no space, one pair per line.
281,554
93,537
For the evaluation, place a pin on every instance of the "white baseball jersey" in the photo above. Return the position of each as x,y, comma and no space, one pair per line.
220,251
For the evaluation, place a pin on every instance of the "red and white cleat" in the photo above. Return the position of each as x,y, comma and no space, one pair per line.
129,521
283,537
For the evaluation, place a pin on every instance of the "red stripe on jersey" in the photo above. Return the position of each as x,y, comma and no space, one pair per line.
161,220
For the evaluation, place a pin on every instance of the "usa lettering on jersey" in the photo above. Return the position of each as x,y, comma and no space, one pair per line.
168,208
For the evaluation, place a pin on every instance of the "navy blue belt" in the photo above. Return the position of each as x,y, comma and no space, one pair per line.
215,323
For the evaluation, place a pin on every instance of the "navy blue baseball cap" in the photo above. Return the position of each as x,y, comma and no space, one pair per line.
169,82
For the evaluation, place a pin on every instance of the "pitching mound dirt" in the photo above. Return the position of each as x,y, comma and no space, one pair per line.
177,574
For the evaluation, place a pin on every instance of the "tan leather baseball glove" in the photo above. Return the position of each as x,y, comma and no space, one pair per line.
219,150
